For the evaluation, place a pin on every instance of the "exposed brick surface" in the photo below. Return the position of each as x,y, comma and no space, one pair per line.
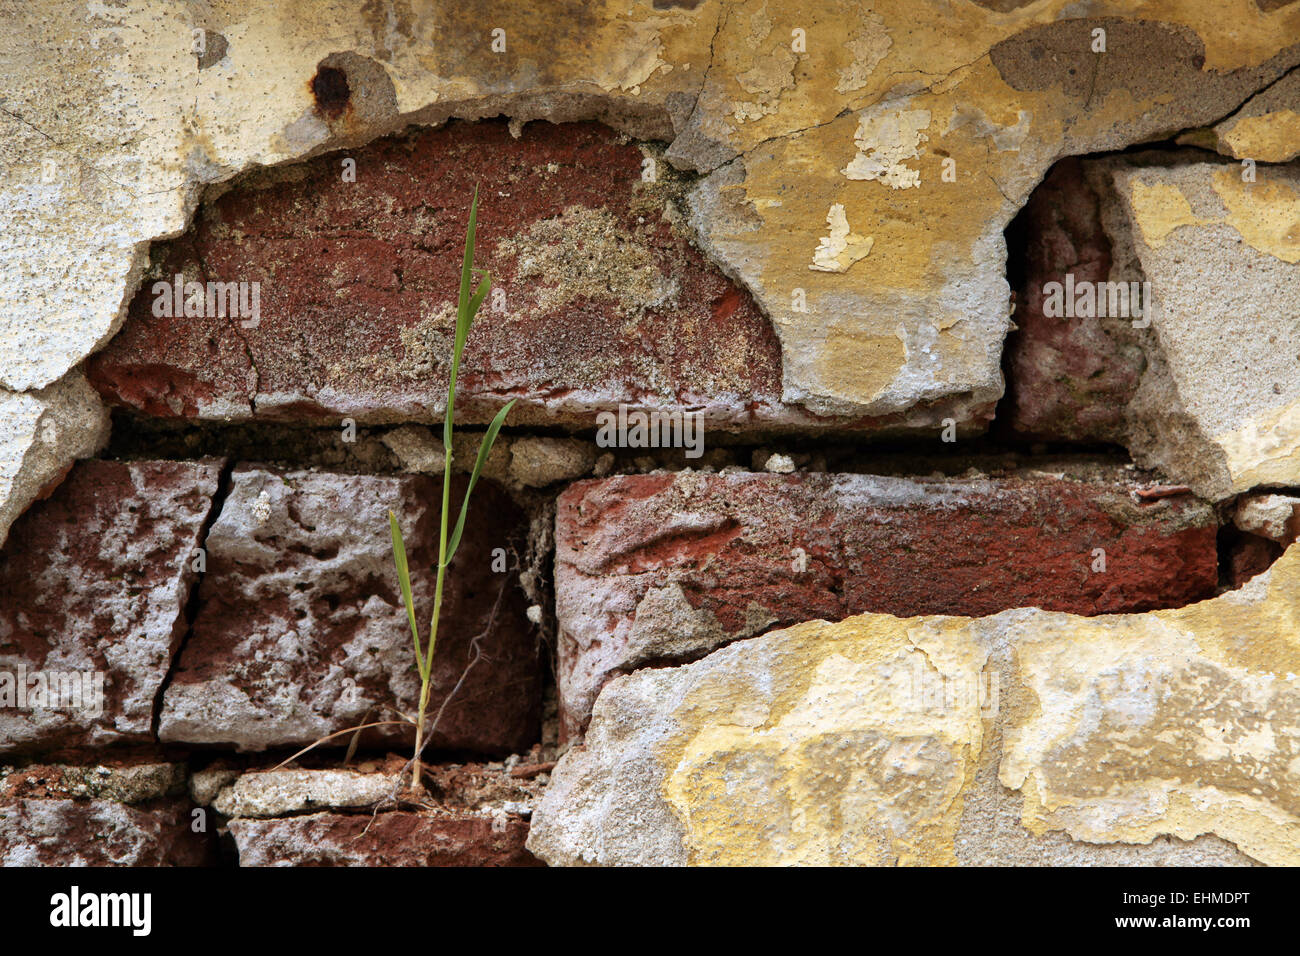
100,833
1248,555
387,839
301,630
652,567
606,300
95,579
1068,378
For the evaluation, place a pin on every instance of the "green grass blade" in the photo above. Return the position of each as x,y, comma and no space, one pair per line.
484,449
462,329
467,268
404,578
479,296
466,305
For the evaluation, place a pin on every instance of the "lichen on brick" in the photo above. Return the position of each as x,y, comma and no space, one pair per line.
586,253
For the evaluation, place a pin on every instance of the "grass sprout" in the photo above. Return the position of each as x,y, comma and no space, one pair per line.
471,297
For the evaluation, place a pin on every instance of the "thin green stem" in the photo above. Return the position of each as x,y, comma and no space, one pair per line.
467,306
426,672
442,552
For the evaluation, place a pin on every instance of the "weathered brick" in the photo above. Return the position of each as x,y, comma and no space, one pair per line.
668,567
1068,378
121,780
95,579
100,833
397,838
301,630
606,300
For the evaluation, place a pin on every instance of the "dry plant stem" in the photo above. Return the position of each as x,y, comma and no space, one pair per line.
338,733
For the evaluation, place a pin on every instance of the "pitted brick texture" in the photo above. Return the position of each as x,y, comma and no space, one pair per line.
96,579
388,839
301,630
605,299
100,833
664,567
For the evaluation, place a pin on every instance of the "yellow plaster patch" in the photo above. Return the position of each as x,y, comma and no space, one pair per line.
1159,209
1270,138
845,765
1166,723
1266,214
858,363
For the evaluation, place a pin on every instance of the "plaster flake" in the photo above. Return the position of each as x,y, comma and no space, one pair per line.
868,45
884,141
838,251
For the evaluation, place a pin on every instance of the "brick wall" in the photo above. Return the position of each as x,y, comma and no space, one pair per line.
916,576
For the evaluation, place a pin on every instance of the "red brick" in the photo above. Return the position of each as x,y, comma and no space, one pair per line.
1248,555
301,631
625,545
1068,379
348,269
96,578
101,833
395,838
